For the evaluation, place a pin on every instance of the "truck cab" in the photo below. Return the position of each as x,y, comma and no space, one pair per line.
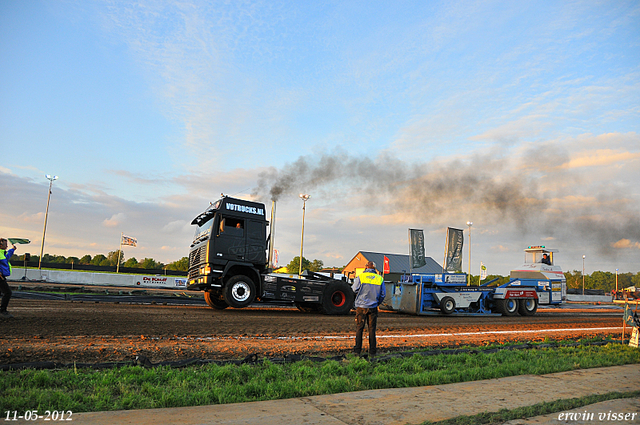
539,266
228,254
228,261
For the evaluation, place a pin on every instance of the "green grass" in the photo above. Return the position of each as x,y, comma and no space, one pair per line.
135,387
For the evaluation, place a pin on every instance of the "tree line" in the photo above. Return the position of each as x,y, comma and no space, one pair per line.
314,266
111,260
605,281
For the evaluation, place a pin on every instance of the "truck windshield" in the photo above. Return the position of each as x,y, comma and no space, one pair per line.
203,230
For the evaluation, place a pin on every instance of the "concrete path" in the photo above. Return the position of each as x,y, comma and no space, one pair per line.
406,405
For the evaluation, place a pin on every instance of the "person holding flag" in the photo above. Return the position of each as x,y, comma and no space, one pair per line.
5,271
370,293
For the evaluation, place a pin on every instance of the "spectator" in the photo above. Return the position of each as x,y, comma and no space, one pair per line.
370,293
5,271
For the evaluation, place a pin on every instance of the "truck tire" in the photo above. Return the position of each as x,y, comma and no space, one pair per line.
337,298
528,307
239,291
215,300
507,307
447,305
307,307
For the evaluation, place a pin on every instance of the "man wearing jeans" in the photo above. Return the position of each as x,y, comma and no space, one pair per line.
370,292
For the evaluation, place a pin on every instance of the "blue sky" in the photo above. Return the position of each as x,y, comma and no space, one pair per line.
519,116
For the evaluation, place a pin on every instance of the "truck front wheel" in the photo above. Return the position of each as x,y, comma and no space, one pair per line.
240,291
215,300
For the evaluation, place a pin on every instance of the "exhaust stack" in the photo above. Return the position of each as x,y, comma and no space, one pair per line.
272,232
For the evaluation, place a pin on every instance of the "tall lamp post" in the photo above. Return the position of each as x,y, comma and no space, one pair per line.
469,224
304,198
616,281
46,215
583,275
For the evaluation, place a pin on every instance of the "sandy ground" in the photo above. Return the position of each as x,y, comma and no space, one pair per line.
90,332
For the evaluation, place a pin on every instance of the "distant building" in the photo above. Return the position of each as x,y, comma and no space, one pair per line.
333,272
398,265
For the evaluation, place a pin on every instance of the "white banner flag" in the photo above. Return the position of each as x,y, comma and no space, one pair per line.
126,240
483,271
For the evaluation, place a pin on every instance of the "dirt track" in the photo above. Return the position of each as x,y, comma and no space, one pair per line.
65,331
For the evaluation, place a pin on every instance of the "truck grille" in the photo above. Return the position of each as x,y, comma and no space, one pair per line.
197,257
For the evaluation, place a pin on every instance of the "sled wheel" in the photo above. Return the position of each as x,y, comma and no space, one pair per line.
528,307
447,305
508,307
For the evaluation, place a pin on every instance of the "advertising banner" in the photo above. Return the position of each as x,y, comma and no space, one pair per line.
417,248
453,253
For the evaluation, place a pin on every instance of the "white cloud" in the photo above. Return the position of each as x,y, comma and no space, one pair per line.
626,244
115,220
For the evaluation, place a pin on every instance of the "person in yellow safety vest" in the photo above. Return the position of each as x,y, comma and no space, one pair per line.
370,293
5,271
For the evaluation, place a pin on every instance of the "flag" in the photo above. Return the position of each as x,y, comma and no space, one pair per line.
19,240
385,267
276,256
483,271
126,240
417,249
453,252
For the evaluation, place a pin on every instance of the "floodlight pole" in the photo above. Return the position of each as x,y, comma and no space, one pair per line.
583,275
46,215
469,224
304,198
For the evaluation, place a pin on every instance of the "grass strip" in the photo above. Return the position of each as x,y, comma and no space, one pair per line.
135,387
540,409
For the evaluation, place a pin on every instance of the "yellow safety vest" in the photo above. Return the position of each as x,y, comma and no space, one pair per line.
4,257
371,279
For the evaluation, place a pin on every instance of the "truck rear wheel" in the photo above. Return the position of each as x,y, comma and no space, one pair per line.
337,298
528,307
508,307
240,291
447,305
215,300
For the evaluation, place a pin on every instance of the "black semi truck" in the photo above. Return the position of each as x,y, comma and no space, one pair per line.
228,261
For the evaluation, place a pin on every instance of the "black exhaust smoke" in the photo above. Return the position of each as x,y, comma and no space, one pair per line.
532,195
